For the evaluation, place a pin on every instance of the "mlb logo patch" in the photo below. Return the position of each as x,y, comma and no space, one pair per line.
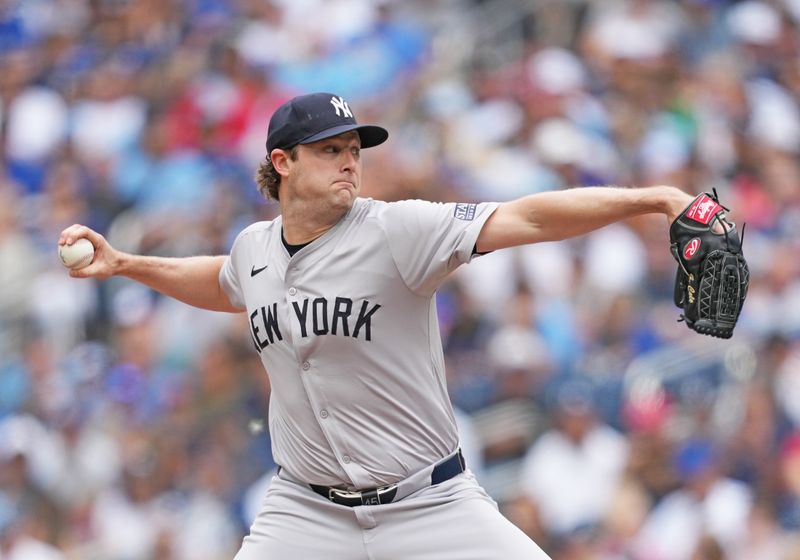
465,211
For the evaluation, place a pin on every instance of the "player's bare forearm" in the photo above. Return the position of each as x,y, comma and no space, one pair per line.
192,280
556,215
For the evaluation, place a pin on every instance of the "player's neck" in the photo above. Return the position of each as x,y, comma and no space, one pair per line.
302,224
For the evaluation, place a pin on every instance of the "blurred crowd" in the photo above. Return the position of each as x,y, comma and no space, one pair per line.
133,427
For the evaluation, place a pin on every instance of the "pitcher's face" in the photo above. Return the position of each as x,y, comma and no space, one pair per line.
328,170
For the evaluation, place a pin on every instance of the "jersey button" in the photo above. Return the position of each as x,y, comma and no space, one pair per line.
323,413
306,366
346,458
292,291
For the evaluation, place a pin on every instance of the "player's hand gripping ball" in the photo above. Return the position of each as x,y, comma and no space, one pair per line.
77,255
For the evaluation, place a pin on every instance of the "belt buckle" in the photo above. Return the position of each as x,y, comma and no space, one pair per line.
367,497
334,493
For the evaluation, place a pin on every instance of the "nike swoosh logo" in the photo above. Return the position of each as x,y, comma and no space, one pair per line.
254,270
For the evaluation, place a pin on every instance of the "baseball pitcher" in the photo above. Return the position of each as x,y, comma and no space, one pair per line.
338,293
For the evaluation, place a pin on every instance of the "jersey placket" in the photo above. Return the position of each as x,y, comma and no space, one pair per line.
309,369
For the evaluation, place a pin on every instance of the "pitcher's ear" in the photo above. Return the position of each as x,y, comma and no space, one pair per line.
280,160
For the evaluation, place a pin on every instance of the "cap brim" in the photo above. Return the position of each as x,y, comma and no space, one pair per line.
370,135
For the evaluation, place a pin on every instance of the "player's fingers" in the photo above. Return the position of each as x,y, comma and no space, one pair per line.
722,225
76,231
93,270
70,234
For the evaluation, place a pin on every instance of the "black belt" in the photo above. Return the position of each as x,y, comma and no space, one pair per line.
443,471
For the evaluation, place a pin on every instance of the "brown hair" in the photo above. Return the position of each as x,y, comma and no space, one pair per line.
267,177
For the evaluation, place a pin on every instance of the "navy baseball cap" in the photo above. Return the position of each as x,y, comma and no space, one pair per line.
316,116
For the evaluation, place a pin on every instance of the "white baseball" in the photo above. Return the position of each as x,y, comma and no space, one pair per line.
77,255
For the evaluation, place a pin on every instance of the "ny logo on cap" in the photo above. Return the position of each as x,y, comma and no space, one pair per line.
340,103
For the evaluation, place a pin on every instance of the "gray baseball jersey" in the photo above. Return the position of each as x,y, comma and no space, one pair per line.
347,330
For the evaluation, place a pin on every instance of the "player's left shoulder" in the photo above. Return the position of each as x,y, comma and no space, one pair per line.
365,209
408,207
440,212
389,214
